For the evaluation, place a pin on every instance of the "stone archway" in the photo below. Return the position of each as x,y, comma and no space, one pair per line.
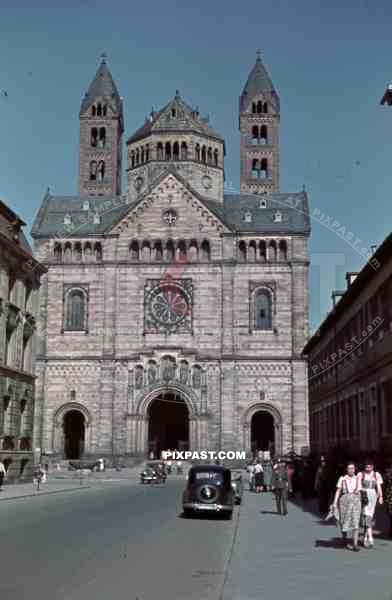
139,430
262,429
71,431
168,424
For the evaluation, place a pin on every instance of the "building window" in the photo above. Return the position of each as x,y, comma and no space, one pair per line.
159,151
168,151
176,151
86,205
93,170
216,157
67,219
102,138
203,155
94,137
101,171
197,152
75,313
184,151
263,310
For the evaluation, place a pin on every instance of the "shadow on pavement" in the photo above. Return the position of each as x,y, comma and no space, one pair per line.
269,512
336,543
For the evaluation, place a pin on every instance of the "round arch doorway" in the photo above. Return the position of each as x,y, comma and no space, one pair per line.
168,424
262,432
74,434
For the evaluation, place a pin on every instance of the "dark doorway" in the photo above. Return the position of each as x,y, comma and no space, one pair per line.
168,426
263,432
73,435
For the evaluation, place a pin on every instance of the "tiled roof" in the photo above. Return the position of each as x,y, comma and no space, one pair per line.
102,86
177,115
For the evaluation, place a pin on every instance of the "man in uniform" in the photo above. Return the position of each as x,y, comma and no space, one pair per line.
281,486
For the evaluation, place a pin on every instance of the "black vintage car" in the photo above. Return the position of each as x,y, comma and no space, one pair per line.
208,490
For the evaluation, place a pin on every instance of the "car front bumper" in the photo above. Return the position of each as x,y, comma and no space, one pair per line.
201,507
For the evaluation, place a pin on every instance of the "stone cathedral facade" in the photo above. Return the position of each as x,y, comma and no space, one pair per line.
173,315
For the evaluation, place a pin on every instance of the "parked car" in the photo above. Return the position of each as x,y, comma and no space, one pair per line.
208,490
84,464
237,485
149,474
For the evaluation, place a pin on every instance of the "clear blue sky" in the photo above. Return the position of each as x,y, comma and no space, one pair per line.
330,62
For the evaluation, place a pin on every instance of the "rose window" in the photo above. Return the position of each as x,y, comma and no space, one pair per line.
168,304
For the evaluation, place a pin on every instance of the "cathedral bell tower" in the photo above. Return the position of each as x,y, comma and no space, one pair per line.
101,129
259,116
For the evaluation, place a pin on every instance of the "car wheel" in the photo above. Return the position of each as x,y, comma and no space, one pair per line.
227,515
187,513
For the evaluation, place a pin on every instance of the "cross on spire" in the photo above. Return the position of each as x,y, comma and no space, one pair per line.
258,54
103,57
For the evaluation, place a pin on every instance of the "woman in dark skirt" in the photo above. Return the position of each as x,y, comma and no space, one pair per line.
259,477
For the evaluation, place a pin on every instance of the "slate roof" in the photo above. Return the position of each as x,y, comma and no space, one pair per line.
185,118
102,86
258,81
232,212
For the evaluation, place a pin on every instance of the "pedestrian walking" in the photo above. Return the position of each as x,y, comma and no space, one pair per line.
251,475
267,470
388,496
371,494
281,486
348,501
259,477
3,474
322,488
38,474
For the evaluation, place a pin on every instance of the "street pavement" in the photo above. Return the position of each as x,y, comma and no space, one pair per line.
110,541
299,557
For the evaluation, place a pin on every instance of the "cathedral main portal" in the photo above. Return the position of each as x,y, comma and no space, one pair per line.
168,424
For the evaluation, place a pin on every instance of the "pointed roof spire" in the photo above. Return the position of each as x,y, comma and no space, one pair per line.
102,86
258,81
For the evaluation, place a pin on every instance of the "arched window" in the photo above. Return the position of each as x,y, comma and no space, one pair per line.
252,251
216,157
254,107
102,137
197,152
68,252
205,250
272,251
142,155
147,153
99,110
203,155
209,156
137,156
169,251
193,251
132,158
181,251
94,137
255,167
78,252
184,151
262,251
242,251
146,251
176,151
158,254
264,168
101,171
98,251
134,251
159,151
255,134
57,251
283,250
265,107
263,310
168,151
259,107
263,135
75,318
104,110
93,170
94,111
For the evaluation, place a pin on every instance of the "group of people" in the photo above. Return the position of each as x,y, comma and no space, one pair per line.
351,498
264,475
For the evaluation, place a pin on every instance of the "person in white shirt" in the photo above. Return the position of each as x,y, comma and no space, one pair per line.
259,477
348,501
371,483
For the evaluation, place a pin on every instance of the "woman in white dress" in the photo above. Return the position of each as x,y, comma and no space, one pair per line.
371,483
348,500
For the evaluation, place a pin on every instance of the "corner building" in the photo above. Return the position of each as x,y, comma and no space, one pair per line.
175,314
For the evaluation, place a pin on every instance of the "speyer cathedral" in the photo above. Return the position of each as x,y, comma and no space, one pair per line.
173,315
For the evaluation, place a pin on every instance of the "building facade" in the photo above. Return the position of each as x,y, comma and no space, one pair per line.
350,364
175,314
19,302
